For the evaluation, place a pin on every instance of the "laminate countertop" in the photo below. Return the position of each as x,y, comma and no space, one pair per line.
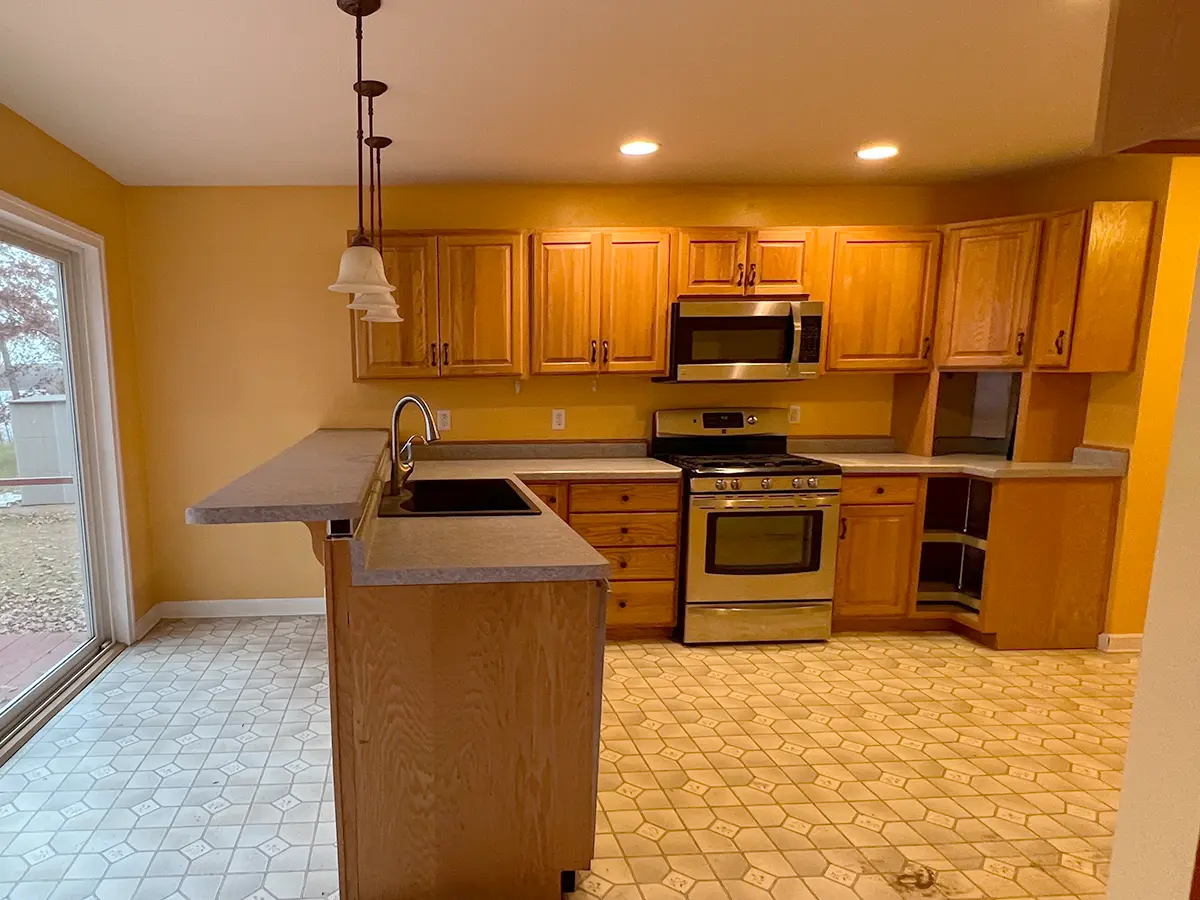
329,475
975,465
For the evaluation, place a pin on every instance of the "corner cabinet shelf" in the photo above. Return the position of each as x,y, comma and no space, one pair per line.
954,548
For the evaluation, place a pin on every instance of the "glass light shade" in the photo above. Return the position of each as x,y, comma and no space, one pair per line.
373,300
382,314
361,272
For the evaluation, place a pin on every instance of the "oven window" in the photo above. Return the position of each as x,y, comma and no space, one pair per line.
763,543
762,339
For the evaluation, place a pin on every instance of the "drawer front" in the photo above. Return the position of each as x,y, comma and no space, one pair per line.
627,529
879,489
641,563
553,494
641,604
633,496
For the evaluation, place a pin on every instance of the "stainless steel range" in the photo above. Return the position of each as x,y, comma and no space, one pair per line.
759,540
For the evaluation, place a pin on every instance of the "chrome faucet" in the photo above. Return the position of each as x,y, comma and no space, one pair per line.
402,457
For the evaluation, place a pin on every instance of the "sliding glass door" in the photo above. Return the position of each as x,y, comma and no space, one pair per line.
49,628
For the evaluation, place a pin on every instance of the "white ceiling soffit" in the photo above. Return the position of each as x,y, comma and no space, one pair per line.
236,92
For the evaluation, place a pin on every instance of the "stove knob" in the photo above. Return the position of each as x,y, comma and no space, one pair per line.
752,420
735,484
766,483
797,482
720,485
812,482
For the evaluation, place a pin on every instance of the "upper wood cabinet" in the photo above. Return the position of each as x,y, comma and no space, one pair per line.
1094,320
600,301
986,298
408,349
463,298
1058,285
731,262
881,301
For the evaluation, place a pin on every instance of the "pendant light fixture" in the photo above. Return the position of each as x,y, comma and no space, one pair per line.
361,270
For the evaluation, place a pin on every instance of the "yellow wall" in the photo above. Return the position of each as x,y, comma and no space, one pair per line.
39,170
244,350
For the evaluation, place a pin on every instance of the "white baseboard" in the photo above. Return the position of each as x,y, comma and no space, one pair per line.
226,609
1121,643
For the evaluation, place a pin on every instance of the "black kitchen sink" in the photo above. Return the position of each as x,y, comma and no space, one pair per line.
458,497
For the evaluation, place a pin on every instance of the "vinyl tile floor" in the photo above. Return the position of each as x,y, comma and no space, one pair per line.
882,767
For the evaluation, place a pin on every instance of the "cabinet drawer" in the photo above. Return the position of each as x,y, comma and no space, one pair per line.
645,496
552,493
879,489
627,529
641,563
641,604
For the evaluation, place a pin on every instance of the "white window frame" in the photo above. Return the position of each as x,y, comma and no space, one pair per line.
101,482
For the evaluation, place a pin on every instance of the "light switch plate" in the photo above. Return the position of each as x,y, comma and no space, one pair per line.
794,413
443,419
558,419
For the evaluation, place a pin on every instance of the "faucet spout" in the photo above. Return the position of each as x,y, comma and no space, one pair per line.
402,469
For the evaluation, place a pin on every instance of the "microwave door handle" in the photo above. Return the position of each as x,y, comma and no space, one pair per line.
796,320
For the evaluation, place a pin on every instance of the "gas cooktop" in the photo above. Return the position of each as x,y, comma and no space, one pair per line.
754,463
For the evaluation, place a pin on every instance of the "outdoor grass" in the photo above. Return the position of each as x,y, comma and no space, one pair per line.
8,460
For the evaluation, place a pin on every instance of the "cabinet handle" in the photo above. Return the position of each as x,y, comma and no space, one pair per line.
740,272
445,354
433,354
1020,343
753,277
593,351
925,347
842,530
604,360
1058,343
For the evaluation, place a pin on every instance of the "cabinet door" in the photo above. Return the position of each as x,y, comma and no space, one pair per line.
636,297
779,261
712,262
405,349
1113,285
874,572
1058,286
881,302
482,298
566,302
553,494
987,293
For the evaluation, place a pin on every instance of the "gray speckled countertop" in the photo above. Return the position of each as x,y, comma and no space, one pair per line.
328,475
974,465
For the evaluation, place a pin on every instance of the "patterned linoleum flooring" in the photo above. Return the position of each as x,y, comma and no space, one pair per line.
870,768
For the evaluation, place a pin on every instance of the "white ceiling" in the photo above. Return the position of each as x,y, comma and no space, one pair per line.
258,91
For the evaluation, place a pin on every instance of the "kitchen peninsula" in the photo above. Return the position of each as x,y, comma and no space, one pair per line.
465,664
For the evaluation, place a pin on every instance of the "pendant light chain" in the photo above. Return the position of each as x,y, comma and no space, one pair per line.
358,38
371,161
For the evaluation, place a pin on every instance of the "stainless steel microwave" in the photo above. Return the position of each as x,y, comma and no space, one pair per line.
745,340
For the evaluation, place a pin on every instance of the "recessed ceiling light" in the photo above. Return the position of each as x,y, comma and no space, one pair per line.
878,151
639,148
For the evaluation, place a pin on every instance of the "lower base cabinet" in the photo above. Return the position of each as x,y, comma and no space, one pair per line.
874,573
635,526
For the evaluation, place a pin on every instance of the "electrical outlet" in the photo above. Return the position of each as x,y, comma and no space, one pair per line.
443,419
794,413
558,419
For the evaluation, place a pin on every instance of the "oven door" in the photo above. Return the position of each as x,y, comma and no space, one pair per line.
745,340
761,548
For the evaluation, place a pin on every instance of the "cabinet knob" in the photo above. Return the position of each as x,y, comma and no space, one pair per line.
624,529
621,603
879,490
623,564
624,498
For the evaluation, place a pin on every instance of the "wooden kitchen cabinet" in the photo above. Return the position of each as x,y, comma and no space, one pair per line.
408,349
1058,285
987,290
553,494
462,297
730,262
874,572
600,301
881,303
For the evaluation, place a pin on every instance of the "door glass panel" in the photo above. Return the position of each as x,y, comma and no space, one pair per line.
45,608
765,339
760,543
